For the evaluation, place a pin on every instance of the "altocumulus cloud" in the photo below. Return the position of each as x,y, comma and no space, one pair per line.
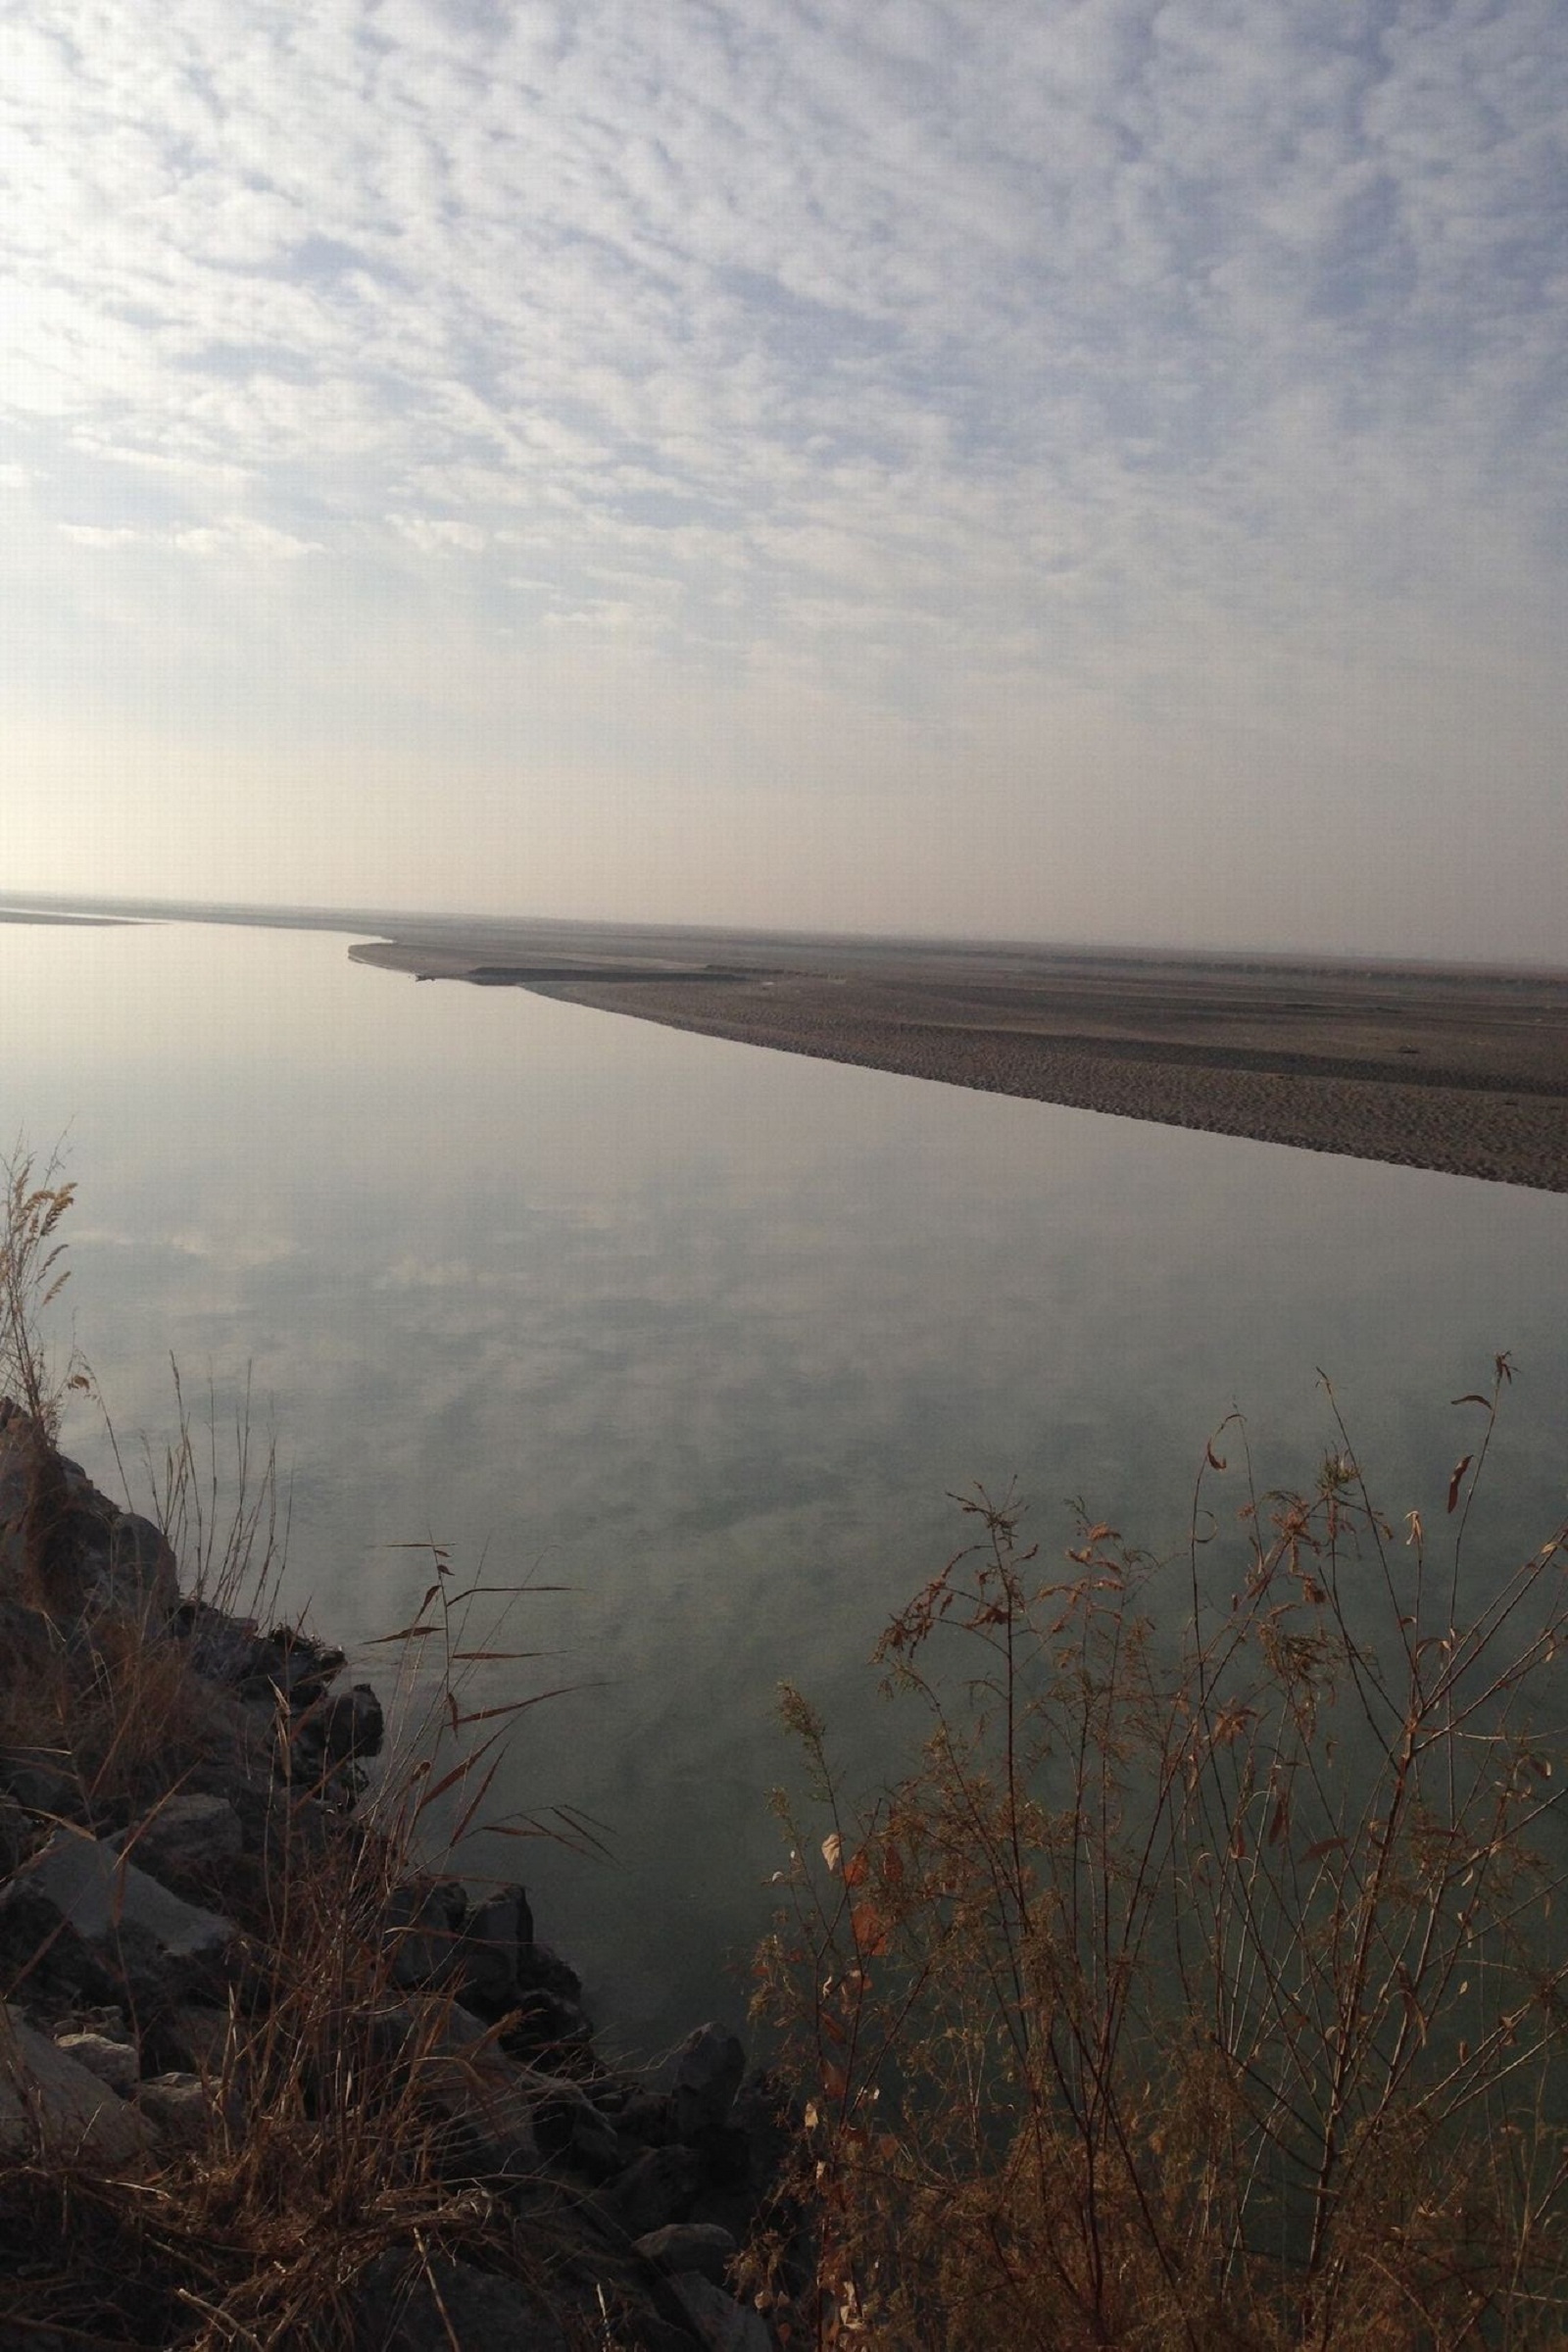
953,366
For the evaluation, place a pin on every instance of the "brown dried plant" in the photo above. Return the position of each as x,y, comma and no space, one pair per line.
329,2137
32,1275
1194,1989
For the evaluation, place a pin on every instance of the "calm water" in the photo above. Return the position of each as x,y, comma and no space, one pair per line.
707,1334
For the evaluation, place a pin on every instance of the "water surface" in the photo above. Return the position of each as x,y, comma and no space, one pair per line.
707,1334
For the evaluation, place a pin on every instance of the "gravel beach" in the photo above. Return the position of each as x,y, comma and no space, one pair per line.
1461,1070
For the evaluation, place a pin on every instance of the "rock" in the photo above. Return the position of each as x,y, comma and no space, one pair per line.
285,1829
42,1953
118,1559
691,2246
485,2103
223,1648
183,2106
498,1932
423,1927
566,2123
649,2116
721,2323
400,2307
541,1970
112,2062
545,2027
18,1835
288,1664
464,2077
193,2038
104,1896
655,2188
705,2074
726,2153
42,1780
80,1924
594,2143
348,1729
187,1837
50,2102
28,1640
138,1574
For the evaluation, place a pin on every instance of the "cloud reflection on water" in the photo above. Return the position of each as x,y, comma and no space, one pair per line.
707,1334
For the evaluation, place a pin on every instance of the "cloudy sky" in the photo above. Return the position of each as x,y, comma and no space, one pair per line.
1063,469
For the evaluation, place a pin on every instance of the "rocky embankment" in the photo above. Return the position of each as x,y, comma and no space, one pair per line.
226,1990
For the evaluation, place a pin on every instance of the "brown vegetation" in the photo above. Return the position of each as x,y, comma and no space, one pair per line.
1195,1992
336,2110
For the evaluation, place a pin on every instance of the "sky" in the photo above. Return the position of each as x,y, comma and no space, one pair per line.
1061,470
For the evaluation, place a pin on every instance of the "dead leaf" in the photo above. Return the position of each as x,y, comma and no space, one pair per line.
869,1928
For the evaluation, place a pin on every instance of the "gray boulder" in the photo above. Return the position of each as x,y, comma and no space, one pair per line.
656,2188
42,1779
349,1727
224,1648
118,1559
182,2107
136,1571
422,1928
567,2124
460,2073
700,2246
187,1837
78,1924
112,2062
50,2102
705,2074
28,1638
497,1932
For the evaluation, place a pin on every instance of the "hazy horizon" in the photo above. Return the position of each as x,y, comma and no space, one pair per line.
349,920
1088,472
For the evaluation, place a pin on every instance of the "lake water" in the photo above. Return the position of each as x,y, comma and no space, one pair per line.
707,1334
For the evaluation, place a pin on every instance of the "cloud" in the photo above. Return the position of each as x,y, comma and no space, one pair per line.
231,534
936,356
430,533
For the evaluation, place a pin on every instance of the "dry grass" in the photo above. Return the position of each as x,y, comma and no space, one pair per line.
319,2146
322,2147
1205,1991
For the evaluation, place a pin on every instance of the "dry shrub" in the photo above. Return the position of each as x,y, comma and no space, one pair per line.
321,2148
113,1698
1194,1989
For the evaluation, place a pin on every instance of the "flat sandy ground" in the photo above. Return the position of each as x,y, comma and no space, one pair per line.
1458,1069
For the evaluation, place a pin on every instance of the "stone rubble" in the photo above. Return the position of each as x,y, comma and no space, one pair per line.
123,1978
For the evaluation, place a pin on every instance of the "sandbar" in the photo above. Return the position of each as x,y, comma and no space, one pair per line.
1462,1069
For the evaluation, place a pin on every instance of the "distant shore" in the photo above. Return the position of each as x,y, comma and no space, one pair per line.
1456,1070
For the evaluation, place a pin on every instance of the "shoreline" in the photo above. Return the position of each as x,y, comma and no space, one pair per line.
1462,1069
243,1987
1459,1072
